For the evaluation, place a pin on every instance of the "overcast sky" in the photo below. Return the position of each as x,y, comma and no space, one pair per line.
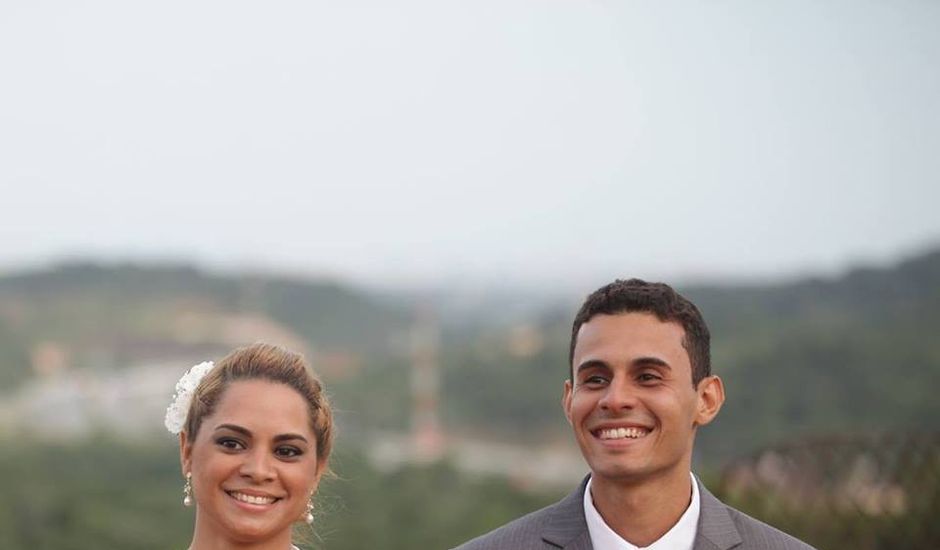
414,142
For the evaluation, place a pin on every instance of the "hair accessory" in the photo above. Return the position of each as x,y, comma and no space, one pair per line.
179,407
308,517
188,490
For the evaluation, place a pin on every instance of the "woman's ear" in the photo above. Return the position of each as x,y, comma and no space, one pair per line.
322,467
186,453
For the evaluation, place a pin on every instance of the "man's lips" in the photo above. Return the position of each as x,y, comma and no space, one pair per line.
613,432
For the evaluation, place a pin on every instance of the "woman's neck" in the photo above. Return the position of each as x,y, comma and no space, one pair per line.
211,539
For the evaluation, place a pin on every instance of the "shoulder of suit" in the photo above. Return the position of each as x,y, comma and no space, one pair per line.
519,534
758,534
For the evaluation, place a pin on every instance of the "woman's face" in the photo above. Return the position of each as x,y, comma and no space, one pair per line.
254,463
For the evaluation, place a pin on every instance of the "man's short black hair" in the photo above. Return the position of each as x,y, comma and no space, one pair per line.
661,300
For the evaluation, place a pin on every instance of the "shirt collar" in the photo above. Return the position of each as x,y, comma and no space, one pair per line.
680,537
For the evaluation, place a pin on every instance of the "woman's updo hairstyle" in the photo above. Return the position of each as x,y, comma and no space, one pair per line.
264,362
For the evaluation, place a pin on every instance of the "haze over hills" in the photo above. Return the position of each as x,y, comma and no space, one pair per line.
854,353
79,315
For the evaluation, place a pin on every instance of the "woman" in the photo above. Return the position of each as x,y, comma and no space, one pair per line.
255,434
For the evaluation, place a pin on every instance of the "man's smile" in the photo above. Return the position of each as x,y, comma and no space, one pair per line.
631,432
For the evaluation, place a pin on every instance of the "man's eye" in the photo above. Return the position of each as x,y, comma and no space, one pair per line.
648,377
594,380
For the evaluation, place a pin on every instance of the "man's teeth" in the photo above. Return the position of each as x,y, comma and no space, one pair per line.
251,499
621,433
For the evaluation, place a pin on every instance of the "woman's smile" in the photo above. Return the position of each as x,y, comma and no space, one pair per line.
254,500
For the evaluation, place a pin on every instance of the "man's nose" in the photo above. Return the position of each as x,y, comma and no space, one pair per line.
619,395
258,465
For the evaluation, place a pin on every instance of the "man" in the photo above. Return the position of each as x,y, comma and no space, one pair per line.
639,386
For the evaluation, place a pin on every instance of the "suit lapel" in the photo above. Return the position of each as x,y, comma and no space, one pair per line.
566,527
716,529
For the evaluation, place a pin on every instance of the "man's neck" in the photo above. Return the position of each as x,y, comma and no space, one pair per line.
642,512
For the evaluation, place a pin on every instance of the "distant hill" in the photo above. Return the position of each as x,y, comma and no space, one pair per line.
96,315
856,353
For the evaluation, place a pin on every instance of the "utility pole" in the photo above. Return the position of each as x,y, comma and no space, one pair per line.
427,441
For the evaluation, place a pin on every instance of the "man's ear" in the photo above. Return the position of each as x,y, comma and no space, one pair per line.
711,395
186,453
566,400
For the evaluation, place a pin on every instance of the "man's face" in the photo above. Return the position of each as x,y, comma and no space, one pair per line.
631,402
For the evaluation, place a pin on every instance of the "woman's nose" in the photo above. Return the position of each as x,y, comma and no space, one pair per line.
257,466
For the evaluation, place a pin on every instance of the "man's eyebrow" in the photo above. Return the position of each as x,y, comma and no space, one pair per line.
645,361
592,364
650,361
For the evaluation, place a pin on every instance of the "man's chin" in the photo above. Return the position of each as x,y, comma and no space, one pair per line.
633,470
618,472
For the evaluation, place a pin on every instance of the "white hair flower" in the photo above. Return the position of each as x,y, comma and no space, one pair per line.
179,407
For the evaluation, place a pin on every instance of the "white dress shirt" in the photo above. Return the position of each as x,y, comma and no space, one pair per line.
680,537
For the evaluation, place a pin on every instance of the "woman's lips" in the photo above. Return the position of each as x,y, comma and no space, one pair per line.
256,500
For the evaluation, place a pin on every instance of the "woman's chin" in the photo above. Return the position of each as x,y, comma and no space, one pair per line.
251,528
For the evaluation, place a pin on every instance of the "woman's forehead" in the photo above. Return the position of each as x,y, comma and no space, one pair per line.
262,405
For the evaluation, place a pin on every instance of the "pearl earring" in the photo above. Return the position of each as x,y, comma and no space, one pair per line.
308,517
188,490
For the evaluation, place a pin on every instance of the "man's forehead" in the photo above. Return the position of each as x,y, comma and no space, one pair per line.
630,322
624,330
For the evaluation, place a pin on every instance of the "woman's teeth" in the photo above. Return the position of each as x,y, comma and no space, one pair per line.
251,499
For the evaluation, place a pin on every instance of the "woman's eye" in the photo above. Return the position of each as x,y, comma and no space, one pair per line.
288,452
230,444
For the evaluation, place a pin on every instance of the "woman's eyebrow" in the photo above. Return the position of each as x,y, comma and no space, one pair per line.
235,428
247,433
287,437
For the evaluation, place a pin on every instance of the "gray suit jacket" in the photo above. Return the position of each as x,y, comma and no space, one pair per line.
562,525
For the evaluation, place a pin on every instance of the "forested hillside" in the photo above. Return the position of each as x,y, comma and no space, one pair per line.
855,353
113,316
